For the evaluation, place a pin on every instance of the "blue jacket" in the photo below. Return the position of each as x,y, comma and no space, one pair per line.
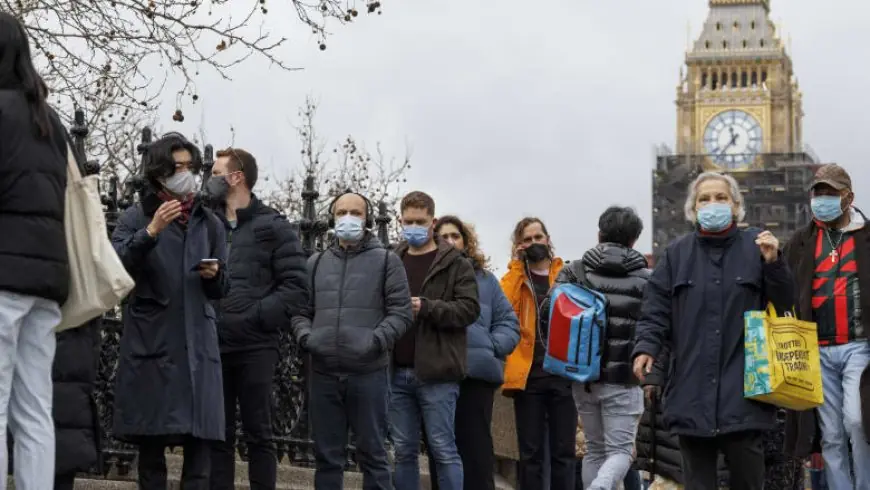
695,302
495,334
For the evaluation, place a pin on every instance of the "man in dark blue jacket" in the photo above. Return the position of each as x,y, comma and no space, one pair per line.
268,282
169,374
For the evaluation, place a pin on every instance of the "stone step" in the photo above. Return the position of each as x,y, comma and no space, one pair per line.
289,477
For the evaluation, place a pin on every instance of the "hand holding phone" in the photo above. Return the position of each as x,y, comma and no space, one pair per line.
208,268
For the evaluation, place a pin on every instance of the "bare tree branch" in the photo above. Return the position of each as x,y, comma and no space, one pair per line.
113,58
346,165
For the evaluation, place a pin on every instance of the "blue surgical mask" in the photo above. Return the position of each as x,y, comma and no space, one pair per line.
827,208
349,228
416,235
715,217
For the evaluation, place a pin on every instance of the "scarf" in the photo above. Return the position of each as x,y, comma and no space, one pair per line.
186,205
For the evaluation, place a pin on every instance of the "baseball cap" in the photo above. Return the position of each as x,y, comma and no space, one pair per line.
834,176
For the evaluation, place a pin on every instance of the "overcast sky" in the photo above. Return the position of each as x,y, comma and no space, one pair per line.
513,108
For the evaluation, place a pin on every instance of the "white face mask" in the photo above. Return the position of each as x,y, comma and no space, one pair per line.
181,183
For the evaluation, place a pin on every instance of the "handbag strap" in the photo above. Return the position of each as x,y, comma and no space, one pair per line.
73,160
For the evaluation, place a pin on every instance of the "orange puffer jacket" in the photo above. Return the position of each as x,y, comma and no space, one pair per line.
519,291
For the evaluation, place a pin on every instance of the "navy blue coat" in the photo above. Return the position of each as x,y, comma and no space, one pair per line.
695,302
169,372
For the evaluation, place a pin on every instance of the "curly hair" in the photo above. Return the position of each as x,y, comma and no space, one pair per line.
520,228
469,238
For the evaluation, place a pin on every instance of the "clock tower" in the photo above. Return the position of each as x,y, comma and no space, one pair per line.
738,97
739,110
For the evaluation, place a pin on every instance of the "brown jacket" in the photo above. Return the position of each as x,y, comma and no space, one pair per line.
802,432
450,304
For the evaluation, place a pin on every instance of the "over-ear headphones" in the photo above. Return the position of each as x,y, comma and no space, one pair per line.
370,214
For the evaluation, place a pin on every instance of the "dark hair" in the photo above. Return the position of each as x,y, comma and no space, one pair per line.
469,238
242,161
619,225
419,200
158,162
18,73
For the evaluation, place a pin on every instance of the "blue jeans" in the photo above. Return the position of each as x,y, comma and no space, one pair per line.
358,402
434,403
840,415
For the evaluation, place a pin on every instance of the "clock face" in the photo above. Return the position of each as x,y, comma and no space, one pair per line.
733,139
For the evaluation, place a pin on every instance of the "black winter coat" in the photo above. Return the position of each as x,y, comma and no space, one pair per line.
268,278
621,274
169,380
33,256
76,421
695,301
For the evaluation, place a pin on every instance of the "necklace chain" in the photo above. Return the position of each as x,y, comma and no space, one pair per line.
835,254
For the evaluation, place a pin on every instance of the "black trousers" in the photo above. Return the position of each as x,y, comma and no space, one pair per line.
66,481
194,471
248,379
744,457
473,426
546,410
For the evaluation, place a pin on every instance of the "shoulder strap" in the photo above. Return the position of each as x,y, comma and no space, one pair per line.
386,263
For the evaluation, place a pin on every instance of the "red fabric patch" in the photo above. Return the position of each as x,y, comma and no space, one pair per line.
564,311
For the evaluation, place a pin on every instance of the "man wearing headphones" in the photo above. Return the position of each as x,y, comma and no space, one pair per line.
359,306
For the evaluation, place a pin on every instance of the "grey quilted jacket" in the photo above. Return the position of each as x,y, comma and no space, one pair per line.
359,306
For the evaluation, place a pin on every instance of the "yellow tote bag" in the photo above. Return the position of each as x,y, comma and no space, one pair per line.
781,361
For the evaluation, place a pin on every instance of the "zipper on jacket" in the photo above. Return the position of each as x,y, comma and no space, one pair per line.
338,316
538,332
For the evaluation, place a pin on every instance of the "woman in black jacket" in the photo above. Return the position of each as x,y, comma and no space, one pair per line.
34,269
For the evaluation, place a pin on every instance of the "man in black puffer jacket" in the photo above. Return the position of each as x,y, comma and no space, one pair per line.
268,284
614,268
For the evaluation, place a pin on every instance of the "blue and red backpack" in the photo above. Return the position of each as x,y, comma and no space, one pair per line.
578,322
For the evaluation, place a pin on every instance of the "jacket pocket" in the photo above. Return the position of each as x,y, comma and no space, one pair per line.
211,336
316,339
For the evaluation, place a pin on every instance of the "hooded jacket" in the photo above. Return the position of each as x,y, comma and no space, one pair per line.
621,274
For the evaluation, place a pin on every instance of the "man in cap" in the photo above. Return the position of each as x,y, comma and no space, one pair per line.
830,259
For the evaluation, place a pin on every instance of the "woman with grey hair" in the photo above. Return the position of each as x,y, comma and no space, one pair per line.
694,304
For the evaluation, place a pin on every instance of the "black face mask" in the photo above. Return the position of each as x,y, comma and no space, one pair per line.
217,188
536,252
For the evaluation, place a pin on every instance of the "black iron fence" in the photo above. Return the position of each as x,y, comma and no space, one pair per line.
290,386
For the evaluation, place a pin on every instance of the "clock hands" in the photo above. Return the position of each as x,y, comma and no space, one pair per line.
732,142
